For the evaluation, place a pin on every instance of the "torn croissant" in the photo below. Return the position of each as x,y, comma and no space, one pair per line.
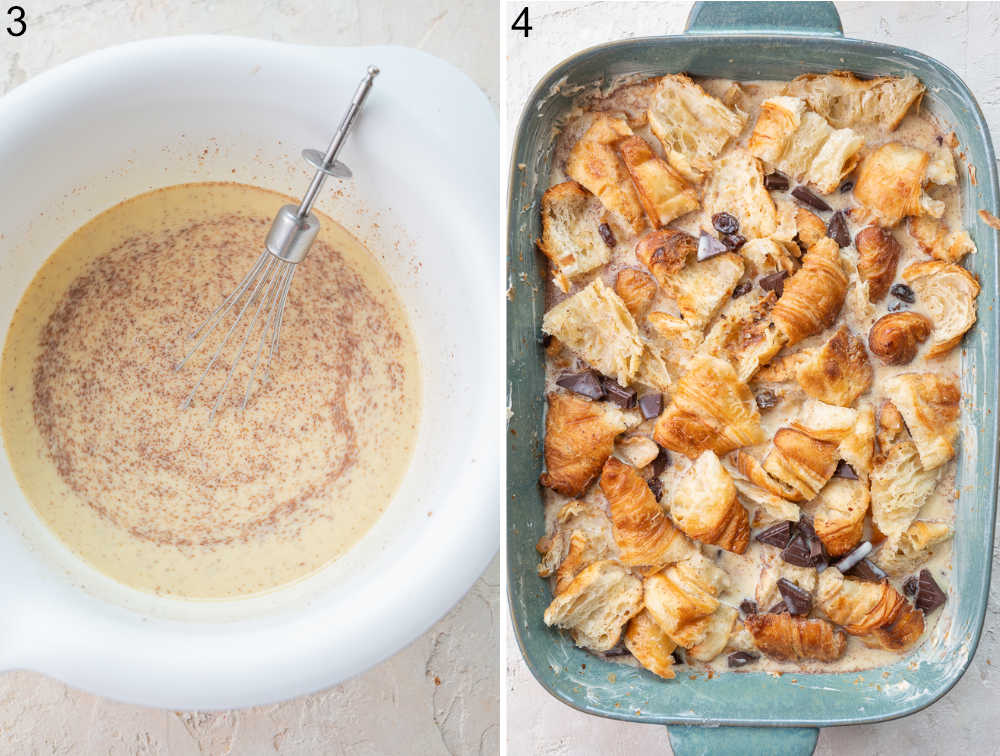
642,530
937,241
905,552
929,404
705,506
788,638
596,605
570,237
682,599
837,372
636,289
595,164
650,646
890,183
710,409
899,487
581,535
579,438
744,334
839,519
948,293
845,100
736,186
663,192
812,297
876,612
878,255
800,461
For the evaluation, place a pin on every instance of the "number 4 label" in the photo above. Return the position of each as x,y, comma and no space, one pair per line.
521,23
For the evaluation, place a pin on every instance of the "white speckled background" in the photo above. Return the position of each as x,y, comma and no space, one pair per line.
964,36
439,695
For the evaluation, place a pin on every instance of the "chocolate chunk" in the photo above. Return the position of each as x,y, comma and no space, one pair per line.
780,608
940,140
798,552
733,241
748,607
618,650
678,654
743,287
836,229
656,486
709,246
859,552
903,292
651,405
544,340
623,397
897,306
867,570
928,595
776,182
725,223
778,534
804,195
586,383
805,527
740,659
844,470
774,282
797,600
607,234
846,186
910,585
766,399
661,462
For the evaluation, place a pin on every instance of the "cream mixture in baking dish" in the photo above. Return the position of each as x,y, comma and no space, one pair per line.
158,498
754,312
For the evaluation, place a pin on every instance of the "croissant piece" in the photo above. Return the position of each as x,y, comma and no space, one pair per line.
863,608
857,448
666,252
570,238
896,336
737,187
936,240
595,164
904,552
663,192
839,519
827,422
744,335
682,599
642,530
710,409
801,461
878,256
718,630
595,324
650,646
705,506
692,126
581,535
929,404
802,144
748,466
770,508
899,487
890,427
811,227
596,605
767,594
845,100
638,451
838,372
653,370
579,438
788,638
890,184
764,256
813,296
948,293
636,289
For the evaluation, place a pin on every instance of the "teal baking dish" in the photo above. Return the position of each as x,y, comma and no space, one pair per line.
747,712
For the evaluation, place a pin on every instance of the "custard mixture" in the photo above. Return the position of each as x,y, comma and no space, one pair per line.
162,499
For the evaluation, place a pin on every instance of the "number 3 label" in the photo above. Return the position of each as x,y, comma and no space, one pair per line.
17,26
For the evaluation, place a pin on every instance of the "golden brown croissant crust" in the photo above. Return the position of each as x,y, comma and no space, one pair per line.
710,409
650,646
663,193
636,289
890,183
579,438
788,638
878,256
929,404
839,520
642,530
896,336
838,372
801,461
875,611
706,507
682,600
665,252
810,226
948,293
814,295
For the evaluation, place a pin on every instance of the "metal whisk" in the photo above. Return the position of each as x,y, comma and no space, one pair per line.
292,233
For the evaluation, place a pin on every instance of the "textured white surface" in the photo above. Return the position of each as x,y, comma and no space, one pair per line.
439,695
964,36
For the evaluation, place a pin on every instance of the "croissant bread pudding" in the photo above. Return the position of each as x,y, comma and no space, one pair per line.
755,310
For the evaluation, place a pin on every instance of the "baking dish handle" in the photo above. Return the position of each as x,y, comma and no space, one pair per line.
810,18
698,740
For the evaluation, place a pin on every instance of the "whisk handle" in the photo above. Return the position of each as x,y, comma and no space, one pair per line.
360,94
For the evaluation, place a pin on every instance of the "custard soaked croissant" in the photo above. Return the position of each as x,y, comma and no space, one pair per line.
814,295
788,638
876,612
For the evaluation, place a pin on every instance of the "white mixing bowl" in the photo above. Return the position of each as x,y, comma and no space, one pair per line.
122,121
